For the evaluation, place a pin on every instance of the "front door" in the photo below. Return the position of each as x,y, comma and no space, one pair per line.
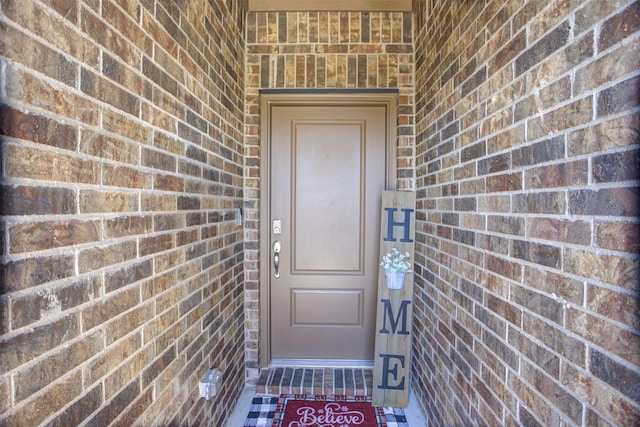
328,167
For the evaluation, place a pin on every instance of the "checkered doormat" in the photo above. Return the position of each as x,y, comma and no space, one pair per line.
263,410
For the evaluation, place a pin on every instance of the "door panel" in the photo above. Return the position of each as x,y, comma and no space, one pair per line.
328,178
327,174
309,307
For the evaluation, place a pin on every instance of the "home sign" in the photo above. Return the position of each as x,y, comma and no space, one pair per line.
392,356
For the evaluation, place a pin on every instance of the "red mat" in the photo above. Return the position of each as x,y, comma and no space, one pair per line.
299,410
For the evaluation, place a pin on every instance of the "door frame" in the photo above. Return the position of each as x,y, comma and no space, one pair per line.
387,98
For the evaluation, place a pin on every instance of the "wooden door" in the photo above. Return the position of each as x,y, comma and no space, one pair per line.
328,166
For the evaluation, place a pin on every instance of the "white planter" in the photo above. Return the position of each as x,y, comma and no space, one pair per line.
395,279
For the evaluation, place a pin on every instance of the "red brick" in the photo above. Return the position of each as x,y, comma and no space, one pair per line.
107,201
618,236
22,49
554,283
107,255
31,163
546,255
127,24
611,66
509,51
34,236
615,270
614,407
568,404
504,182
104,35
81,409
111,358
533,400
127,226
32,200
548,307
614,167
542,48
127,372
505,310
129,322
615,305
5,394
618,342
150,245
124,177
556,338
551,203
27,88
49,369
109,148
126,127
504,267
568,116
619,26
619,98
136,409
50,303
618,376
117,405
22,348
622,201
25,273
615,133
95,86
46,403
567,174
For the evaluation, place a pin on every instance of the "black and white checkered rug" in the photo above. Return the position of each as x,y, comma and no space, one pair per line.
263,409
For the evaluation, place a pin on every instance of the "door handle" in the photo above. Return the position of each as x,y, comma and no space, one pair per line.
276,258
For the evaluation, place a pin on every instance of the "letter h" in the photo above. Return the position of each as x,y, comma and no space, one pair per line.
391,223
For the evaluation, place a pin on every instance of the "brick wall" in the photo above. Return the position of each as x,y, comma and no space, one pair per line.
527,265
320,50
122,166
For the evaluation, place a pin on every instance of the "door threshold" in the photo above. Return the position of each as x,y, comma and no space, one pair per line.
322,363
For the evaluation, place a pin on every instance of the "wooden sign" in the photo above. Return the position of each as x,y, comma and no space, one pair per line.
392,356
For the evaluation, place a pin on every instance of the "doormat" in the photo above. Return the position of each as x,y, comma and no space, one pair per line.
299,410
263,409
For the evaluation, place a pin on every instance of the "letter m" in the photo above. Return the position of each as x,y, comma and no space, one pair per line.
402,315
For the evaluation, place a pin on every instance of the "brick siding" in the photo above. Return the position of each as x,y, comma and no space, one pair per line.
527,179
319,50
130,136
122,169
